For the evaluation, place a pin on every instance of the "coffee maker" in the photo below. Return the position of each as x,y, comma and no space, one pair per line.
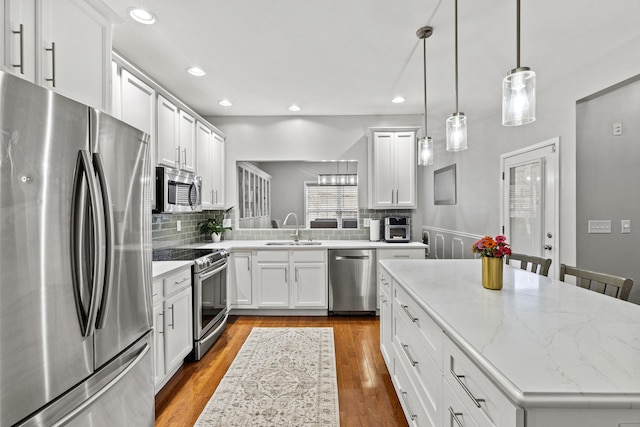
397,229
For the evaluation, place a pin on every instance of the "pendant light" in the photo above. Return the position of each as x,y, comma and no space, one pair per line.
457,122
425,144
519,89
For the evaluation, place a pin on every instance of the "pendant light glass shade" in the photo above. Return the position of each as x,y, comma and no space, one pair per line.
457,132
425,151
519,97
519,89
456,123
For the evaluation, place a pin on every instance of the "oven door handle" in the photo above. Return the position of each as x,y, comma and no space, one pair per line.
206,275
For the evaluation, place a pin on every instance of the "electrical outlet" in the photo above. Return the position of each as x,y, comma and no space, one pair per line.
367,222
179,225
617,129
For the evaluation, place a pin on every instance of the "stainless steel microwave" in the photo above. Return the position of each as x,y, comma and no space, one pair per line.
177,191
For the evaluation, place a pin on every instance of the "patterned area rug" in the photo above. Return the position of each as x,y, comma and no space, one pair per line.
280,377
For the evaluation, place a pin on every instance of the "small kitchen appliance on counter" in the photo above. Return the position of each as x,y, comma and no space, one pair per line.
397,229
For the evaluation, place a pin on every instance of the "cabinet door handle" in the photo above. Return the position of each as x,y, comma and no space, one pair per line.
454,416
405,347
406,403
181,281
162,331
296,275
52,49
172,317
397,199
184,162
464,387
178,158
391,196
216,192
401,256
21,64
406,310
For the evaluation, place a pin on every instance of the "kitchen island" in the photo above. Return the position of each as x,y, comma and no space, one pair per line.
538,353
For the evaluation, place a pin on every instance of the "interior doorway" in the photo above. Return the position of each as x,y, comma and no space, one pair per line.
529,202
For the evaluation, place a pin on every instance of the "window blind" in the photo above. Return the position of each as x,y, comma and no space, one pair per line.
330,202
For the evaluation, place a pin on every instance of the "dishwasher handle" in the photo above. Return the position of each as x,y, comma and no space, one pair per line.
348,257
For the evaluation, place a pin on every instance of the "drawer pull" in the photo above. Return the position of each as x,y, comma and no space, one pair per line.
405,347
181,281
464,387
406,403
406,310
454,416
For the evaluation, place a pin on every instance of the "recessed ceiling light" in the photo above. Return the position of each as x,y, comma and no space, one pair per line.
294,107
142,16
225,103
196,71
398,99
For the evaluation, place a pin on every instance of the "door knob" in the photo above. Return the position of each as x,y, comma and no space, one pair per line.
548,247
549,235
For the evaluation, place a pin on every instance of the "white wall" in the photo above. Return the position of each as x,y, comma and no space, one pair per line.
607,182
261,138
478,209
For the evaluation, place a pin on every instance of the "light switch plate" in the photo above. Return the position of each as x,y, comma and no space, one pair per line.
179,225
625,226
367,222
599,226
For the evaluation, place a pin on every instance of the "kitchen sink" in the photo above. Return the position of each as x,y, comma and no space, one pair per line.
292,243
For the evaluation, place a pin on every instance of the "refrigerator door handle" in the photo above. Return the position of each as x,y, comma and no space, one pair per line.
109,230
85,168
79,409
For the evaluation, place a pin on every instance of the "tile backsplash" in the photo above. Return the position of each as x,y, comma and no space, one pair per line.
165,229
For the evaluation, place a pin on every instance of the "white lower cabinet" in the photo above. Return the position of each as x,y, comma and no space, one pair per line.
178,320
240,280
386,320
295,279
173,323
436,382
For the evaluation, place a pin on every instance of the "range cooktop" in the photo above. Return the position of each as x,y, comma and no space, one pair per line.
181,254
203,259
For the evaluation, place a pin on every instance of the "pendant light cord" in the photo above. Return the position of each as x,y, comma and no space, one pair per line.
424,68
518,34
456,38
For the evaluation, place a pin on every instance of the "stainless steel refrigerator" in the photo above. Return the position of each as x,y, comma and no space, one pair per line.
75,264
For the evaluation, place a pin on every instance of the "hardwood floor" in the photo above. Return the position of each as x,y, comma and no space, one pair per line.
365,392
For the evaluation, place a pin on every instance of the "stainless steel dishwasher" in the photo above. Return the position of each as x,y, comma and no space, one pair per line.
352,281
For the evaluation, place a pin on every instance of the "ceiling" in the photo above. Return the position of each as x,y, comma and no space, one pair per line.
351,57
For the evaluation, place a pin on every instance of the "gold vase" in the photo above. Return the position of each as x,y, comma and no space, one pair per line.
492,273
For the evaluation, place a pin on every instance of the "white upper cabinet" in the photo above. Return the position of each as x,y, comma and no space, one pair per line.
167,138
203,164
217,171
176,137
63,45
75,50
187,142
392,169
210,166
19,38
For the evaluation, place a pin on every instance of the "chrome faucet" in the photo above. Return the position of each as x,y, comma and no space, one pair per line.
296,237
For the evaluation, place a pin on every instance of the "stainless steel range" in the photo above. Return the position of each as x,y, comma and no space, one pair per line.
209,278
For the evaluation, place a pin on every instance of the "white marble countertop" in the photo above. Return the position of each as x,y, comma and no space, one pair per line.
545,343
324,244
160,268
